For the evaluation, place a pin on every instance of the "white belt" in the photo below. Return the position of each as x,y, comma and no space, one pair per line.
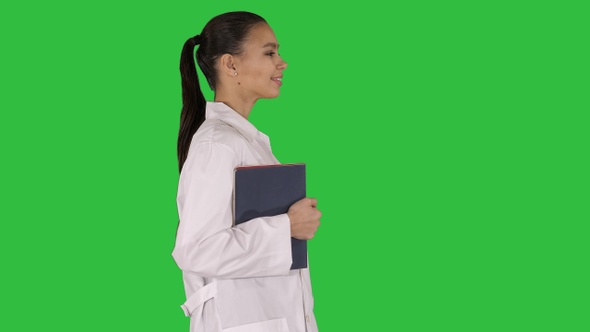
198,298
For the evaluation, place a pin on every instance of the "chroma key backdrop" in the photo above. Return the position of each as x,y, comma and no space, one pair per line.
446,142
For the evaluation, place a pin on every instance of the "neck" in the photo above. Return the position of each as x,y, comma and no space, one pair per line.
242,106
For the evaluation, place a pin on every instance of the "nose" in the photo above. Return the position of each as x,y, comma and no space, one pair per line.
282,64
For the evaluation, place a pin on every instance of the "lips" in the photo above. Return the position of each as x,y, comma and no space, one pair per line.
278,80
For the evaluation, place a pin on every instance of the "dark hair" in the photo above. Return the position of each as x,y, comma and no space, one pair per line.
223,34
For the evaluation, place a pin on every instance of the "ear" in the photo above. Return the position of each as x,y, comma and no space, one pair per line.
227,64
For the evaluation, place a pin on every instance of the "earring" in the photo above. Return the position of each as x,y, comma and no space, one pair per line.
235,73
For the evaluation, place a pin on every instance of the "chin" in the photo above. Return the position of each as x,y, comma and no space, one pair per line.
272,95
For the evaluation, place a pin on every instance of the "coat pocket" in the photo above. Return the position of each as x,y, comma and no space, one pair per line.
273,325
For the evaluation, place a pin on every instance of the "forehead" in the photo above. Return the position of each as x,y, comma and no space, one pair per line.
260,35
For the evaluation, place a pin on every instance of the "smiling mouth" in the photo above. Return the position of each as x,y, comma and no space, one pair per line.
278,80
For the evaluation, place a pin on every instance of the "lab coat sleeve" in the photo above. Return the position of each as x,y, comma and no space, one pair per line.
206,243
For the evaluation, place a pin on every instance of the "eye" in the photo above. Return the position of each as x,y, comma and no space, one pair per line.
270,53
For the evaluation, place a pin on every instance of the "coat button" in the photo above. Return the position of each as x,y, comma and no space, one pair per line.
307,318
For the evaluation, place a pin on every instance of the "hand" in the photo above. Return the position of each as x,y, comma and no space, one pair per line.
305,218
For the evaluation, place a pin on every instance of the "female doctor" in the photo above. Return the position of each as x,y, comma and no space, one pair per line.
236,279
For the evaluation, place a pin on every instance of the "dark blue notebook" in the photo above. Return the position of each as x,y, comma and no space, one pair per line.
269,190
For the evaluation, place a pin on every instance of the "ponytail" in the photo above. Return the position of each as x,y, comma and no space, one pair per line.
193,101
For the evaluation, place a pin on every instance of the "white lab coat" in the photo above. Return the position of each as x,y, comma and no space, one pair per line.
237,279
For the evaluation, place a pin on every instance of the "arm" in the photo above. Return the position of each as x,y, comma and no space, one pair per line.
206,242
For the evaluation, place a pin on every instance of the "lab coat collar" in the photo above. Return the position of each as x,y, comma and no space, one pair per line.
219,110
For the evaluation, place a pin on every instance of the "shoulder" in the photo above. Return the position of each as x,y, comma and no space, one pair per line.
214,132
212,149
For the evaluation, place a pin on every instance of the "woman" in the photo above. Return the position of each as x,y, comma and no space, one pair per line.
236,278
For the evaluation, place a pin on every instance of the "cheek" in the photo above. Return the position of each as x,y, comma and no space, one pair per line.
264,67
258,72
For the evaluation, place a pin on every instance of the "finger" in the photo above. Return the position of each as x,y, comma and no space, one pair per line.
313,202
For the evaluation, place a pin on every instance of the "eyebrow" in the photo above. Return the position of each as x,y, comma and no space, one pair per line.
271,44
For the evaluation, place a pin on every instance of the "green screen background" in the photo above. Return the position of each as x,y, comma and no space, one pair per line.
446,142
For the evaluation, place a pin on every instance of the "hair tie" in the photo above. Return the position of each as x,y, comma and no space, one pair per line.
197,39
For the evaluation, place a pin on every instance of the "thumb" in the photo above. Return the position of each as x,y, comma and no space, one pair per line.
313,202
